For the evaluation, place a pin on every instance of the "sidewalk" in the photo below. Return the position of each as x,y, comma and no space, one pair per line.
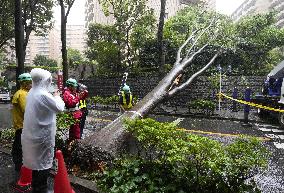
8,177
7,172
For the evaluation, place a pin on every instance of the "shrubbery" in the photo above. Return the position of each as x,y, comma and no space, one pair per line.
206,106
111,100
170,160
7,134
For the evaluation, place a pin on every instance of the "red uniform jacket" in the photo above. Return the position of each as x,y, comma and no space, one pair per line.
72,99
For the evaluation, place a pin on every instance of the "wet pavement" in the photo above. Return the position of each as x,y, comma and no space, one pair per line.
5,115
224,130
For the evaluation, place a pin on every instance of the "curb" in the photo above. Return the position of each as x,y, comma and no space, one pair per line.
85,186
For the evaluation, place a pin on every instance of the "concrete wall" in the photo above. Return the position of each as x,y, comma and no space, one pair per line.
201,88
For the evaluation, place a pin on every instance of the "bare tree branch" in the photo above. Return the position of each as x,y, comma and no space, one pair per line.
200,35
70,4
181,87
183,45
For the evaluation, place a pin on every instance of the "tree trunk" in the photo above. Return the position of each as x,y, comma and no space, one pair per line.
161,46
19,39
63,43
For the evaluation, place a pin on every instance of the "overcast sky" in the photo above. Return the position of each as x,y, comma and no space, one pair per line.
228,6
77,13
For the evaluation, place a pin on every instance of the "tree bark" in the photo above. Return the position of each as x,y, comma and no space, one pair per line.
63,42
161,46
19,39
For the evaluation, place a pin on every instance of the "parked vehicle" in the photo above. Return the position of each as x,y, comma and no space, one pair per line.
5,95
272,94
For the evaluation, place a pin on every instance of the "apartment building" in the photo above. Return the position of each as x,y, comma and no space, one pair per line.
278,6
76,37
94,13
50,45
249,7
41,45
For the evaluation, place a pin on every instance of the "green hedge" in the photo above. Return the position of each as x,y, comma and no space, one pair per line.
170,160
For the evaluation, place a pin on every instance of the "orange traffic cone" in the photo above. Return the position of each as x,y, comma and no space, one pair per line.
61,180
25,181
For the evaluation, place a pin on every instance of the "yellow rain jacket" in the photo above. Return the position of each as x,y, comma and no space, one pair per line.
19,104
124,103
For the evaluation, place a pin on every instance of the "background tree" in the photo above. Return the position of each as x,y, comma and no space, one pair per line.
126,14
255,38
258,38
74,57
30,15
19,39
41,60
161,48
65,10
3,59
103,48
6,21
37,17
143,34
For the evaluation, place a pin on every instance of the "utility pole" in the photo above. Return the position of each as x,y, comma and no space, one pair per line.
19,39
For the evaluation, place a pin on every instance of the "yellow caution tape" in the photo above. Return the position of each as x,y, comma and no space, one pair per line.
251,104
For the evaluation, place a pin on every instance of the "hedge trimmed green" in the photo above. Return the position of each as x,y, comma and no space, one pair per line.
170,160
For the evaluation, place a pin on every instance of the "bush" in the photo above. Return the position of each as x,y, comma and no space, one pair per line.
7,134
170,160
112,100
63,123
205,106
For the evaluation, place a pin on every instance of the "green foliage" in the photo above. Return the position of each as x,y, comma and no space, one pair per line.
41,60
220,36
170,160
206,106
64,121
103,48
7,134
75,57
7,21
118,46
148,55
111,100
246,45
37,16
104,100
244,157
214,80
257,37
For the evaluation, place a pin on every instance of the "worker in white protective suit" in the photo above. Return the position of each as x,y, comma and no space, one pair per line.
38,137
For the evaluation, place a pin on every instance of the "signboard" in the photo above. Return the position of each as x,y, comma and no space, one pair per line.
60,80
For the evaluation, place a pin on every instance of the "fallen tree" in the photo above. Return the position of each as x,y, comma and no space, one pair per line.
210,38
113,138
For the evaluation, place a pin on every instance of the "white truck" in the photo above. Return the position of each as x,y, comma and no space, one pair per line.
5,95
